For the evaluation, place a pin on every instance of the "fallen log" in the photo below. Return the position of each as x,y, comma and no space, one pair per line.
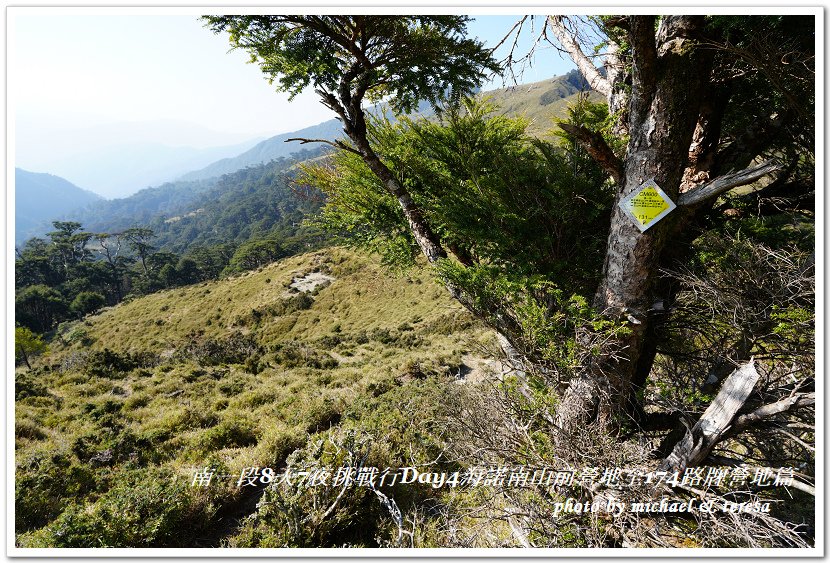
721,420
699,440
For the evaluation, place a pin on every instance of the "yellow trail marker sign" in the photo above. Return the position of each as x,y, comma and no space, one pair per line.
647,205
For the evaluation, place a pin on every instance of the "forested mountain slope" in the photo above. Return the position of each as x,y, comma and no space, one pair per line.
43,197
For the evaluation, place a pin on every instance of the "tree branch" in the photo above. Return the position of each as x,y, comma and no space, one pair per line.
598,149
699,440
720,421
336,144
583,63
792,402
726,182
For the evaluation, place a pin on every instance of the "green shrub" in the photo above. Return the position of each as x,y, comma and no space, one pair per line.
45,482
236,348
292,353
229,433
111,364
26,385
285,306
144,508
27,429
295,515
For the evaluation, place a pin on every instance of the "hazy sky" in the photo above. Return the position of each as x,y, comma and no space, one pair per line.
115,99
78,68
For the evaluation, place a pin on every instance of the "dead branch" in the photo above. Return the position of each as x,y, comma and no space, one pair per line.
598,149
715,421
726,182
583,63
792,402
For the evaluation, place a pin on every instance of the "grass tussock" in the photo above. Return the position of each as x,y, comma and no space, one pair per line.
232,374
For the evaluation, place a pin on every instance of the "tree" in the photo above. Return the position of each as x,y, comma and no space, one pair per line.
39,307
256,253
110,248
35,265
69,244
685,117
352,59
27,344
700,105
138,238
87,302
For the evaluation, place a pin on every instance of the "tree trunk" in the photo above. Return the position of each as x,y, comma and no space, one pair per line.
427,240
668,77
23,353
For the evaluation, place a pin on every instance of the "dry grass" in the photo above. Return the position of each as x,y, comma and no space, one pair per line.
153,404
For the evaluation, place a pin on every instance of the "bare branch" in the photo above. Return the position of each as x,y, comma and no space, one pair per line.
583,63
518,25
599,150
335,144
792,402
726,182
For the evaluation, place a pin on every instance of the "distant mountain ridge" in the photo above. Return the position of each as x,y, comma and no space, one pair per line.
40,198
118,159
267,150
540,102
512,100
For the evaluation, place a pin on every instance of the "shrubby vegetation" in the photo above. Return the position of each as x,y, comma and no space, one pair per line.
615,343
108,428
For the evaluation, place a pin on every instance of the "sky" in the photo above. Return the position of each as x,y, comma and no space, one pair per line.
87,84
97,69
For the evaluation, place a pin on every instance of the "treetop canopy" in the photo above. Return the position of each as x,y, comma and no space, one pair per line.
408,58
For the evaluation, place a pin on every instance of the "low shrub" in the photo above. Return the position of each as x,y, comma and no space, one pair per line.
26,385
236,348
229,433
44,483
111,364
292,353
144,508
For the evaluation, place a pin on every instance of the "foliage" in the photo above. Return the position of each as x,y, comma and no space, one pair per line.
256,253
27,344
112,364
490,191
404,59
87,302
235,348
594,117
39,307
254,203
142,509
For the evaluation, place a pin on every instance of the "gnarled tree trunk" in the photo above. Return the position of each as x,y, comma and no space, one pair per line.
668,76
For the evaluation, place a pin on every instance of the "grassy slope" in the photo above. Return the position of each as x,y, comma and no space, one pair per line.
96,441
88,428
365,296
526,100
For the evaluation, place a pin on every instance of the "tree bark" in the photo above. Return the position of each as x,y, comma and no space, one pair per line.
714,422
668,76
25,356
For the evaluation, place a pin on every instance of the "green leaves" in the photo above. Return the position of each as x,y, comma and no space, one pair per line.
27,344
404,58
490,192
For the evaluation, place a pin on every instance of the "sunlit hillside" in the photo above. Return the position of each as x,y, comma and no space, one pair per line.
227,374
